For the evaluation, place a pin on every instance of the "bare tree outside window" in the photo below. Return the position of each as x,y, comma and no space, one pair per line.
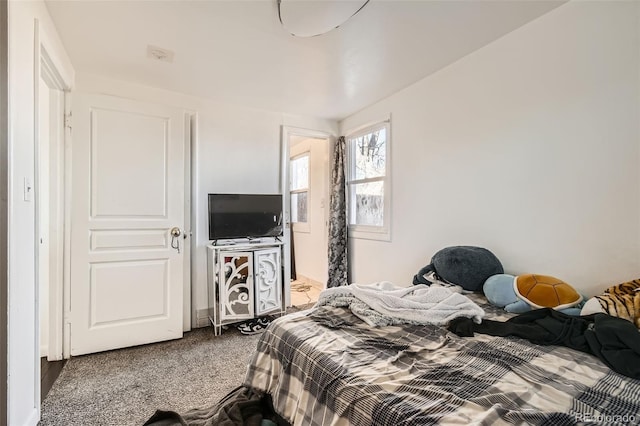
367,175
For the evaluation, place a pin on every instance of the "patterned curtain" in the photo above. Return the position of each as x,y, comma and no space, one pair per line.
338,259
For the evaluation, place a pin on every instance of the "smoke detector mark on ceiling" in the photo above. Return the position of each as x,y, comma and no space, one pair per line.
155,52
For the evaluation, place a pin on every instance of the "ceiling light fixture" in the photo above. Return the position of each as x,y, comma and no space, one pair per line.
316,17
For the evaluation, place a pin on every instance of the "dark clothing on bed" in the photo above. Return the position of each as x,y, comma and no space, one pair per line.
614,340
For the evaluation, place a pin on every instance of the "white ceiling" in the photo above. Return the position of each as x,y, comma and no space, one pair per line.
237,52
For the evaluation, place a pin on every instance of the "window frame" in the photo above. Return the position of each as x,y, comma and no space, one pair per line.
301,226
369,232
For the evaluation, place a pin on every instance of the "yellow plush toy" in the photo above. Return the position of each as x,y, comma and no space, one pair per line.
622,301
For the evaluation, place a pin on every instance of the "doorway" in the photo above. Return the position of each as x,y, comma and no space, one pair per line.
309,206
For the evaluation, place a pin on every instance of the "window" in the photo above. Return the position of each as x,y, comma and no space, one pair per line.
299,187
368,191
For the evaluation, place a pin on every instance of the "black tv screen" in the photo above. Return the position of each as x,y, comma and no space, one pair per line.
244,216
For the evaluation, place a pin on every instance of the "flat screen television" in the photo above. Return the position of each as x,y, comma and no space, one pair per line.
244,216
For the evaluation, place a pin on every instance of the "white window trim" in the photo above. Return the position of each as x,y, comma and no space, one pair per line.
303,226
366,232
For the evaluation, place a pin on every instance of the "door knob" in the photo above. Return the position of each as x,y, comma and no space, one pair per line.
175,242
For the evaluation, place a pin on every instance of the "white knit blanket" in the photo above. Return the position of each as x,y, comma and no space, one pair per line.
382,303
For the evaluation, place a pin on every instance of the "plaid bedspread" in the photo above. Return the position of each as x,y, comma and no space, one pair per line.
327,367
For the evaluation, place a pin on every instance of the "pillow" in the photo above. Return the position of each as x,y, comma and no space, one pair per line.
622,301
466,266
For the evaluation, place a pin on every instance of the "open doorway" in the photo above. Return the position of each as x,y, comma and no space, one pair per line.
309,207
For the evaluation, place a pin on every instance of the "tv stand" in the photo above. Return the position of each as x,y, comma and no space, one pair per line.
245,281
248,240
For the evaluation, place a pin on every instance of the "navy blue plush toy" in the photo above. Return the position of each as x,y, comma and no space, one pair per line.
466,266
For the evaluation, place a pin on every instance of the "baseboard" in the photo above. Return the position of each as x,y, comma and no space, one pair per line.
317,284
202,318
34,418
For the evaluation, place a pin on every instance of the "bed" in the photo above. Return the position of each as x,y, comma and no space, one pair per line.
325,366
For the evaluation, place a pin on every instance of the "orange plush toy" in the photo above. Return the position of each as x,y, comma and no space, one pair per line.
622,301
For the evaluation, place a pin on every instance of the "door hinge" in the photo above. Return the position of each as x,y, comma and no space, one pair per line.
67,120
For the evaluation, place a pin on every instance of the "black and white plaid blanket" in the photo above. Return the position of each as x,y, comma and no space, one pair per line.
327,367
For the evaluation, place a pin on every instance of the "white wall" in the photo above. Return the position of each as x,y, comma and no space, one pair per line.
237,150
528,146
24,396
311,244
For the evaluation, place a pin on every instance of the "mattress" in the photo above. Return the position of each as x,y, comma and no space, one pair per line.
325,366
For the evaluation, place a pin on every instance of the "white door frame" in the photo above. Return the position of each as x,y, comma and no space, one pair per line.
4,206
53,71
190,193
54,81
286,133
191,123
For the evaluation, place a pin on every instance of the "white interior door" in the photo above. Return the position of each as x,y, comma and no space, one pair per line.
127,194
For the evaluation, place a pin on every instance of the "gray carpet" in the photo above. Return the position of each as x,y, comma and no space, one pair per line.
126,386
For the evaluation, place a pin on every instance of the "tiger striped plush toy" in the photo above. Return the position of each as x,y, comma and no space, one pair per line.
622,300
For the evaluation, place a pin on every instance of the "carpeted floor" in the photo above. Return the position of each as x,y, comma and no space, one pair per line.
126,386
